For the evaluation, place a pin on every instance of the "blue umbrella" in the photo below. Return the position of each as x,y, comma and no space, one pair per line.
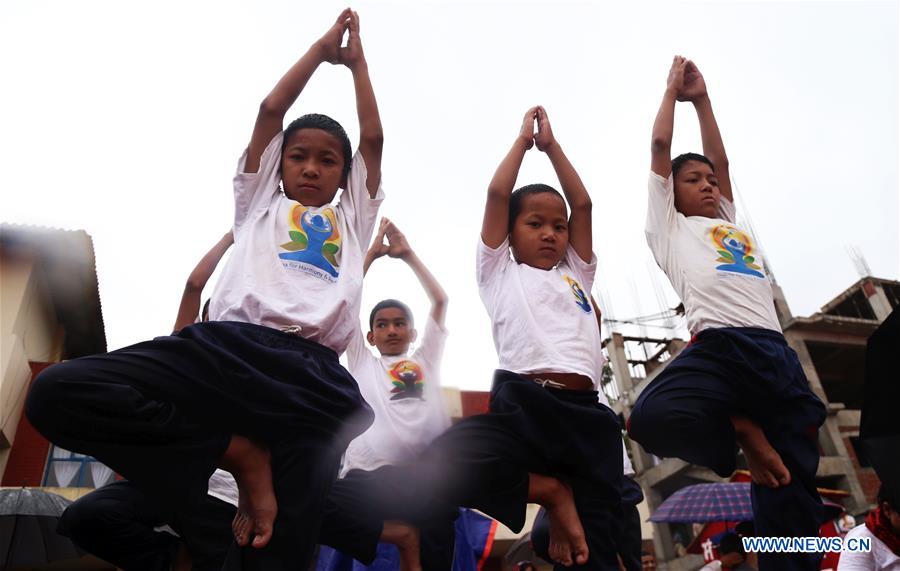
728,501
725,501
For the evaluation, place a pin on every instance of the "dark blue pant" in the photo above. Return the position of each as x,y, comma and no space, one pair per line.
116,523
483,462
686,411
161,413
356,510
629,540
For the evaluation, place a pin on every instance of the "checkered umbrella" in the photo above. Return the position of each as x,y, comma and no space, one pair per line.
729,501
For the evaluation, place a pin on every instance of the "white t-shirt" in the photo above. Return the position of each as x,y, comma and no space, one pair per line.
292,265
542,320
714,266
881,558
223,487
404,392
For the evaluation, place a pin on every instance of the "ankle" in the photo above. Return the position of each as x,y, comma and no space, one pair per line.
744,428
242,455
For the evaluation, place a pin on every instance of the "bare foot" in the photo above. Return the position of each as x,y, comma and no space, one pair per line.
251,466
566,533
766,467
406,538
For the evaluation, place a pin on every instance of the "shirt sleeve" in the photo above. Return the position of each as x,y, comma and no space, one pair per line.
661,215
727,211
431,350
491,262
857,561
584,271
356,349
360,209
255,189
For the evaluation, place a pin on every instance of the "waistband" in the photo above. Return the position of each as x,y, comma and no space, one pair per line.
502,376
751,332
265,336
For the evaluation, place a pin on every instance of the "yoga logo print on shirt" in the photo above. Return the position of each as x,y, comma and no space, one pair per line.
408,380
315,241
581,300
735,249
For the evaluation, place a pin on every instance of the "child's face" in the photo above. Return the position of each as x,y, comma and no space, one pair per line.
540,234
697,190
312,167
391,332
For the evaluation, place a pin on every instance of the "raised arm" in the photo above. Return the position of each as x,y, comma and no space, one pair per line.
495,226
663,126
580,231
694,90
378,247
270,119
400,248
371,137
190,299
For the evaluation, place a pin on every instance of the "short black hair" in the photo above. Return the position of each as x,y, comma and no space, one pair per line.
680,160
730,543
517,199
324,123
388,303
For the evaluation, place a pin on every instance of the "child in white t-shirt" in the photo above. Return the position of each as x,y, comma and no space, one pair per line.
546,438
121,524
535,272
737,383
404,390
258,390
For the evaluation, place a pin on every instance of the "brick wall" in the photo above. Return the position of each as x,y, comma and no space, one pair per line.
867,477
474,402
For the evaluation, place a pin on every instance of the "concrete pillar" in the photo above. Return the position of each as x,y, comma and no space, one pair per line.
781,305
830,438
662,536
877,299
618,360
798,344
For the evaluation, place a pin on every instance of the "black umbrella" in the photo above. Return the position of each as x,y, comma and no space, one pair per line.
879,431
28,537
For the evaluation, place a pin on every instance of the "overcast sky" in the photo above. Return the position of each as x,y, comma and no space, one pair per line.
126,120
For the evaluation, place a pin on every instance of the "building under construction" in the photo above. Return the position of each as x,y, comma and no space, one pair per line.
831,345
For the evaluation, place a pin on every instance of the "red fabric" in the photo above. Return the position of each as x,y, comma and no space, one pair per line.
880,527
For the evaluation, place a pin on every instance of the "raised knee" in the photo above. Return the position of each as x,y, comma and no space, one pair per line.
44,397
643,422
86,516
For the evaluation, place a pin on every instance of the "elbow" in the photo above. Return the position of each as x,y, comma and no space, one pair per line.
193,285
498,195
660,145
270,108
373,137
582,206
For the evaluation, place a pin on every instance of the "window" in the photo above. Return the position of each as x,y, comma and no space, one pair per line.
67,469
